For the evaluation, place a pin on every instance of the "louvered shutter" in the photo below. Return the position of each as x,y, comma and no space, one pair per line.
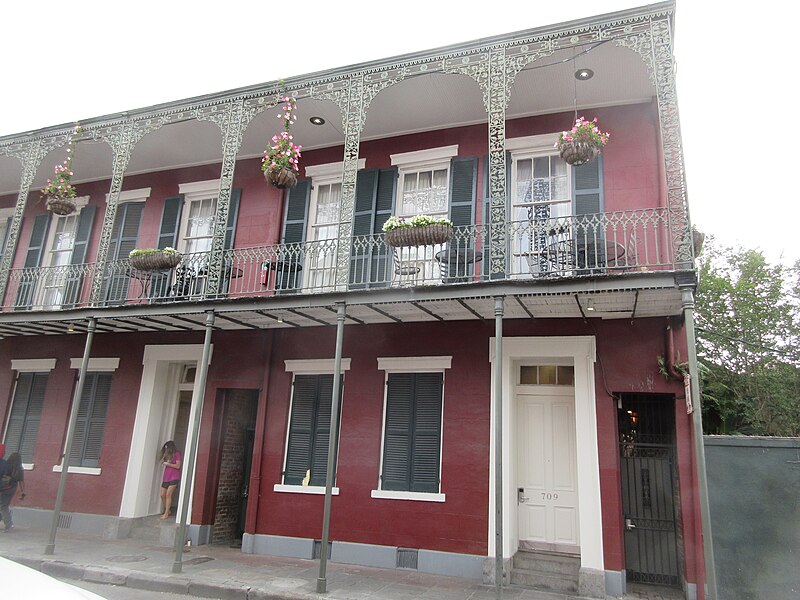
87,440
124,236
587,188
397,436
33,258
426,432
5,235
230,236
370,260
26,412
83,233
412,438
295,223
167,237
301,429
463,183
322,427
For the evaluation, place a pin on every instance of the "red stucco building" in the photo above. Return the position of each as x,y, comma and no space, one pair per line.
534,359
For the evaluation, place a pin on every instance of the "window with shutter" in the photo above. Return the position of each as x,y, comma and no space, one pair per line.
90,426
412,432
26,412
309,430
124,236
548,199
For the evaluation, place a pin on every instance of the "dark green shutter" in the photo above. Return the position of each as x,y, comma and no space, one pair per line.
463,179
90,426
83,233
124,236
412,439
5,235
587,188
33,259
233,215
370,260
26,412
309,429
296,213
167,237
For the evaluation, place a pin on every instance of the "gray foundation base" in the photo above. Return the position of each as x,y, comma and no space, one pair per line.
104,526
489,571
616,583
385,557
690,591
592,583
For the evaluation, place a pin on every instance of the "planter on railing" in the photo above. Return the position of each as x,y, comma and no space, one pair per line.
155,261
421,235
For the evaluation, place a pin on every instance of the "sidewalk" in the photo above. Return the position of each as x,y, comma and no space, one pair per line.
219,572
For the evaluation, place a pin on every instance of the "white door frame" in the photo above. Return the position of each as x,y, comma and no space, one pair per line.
581,350
155,414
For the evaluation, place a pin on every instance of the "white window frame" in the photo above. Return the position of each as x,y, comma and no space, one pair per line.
322,175
321,366
99,365
411,364
42,286
195,191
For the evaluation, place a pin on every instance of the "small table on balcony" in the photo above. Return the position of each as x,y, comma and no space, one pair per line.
584,254
280,275
455,263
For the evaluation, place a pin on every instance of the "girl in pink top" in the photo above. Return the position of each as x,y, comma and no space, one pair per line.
171,459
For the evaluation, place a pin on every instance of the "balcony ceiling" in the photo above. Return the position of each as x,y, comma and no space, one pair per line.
420,103
623,297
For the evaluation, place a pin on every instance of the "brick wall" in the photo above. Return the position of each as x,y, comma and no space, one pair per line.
239,416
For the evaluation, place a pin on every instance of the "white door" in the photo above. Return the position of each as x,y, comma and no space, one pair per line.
548,483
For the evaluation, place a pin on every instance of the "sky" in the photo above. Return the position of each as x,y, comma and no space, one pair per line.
64,62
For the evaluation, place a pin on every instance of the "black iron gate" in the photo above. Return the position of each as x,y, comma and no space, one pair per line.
647,450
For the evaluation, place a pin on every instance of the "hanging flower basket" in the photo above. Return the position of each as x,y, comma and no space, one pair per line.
152,259
582,143
282,178
282,157
577,153
419,230
61,206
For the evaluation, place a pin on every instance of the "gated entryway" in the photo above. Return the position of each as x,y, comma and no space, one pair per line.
647,450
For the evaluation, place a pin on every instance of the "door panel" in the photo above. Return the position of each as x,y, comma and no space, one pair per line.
547,465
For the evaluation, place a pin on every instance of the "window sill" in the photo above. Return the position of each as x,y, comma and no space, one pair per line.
303,489
79,470
418,496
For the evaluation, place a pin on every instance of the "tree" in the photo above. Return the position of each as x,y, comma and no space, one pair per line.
748,330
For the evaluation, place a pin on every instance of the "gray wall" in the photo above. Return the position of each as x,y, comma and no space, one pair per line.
754,492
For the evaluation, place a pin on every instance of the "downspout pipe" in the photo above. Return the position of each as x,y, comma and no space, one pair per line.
498,446
333,439
73,420
191,451
687,302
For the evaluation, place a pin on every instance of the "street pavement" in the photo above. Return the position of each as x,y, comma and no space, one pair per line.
228,573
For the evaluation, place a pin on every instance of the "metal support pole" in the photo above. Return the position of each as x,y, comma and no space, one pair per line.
687,301
191,451
73,420
333,438
498,446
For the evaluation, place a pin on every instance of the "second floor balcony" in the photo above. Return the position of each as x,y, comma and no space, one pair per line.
535,251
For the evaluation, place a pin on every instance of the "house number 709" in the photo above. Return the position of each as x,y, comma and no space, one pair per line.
549,496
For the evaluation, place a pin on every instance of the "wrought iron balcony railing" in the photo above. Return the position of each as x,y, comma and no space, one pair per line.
566,247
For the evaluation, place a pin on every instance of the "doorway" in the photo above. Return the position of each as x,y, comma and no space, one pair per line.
236,436
547,484
647,462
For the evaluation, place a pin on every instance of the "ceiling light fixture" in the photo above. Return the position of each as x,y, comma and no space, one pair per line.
71,328
589,305
584,74
317,121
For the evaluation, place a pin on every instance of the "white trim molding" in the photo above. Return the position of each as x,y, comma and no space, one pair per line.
417,496
409,160
313,366
199,189
33,365
581,350
331,171
140,195
96,364
414,364
545,141
78,470
303,489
